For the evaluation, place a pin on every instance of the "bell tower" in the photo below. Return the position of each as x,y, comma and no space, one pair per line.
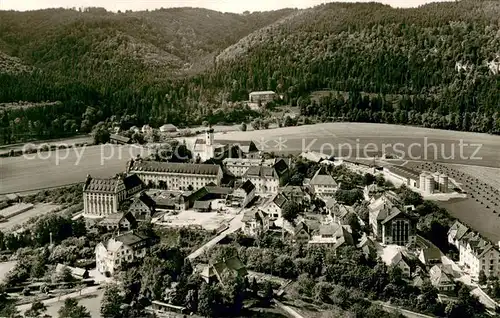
209,136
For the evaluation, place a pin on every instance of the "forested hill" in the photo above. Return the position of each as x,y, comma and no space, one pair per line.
436,65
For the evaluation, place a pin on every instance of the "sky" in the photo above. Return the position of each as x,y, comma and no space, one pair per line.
236,6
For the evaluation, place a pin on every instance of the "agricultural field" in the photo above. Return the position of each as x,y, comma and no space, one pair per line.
38,209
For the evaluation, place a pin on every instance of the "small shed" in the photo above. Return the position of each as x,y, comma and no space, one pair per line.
168,128
118,139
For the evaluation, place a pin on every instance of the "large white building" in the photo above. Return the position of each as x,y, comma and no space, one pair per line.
207,148
475,253
177,176
102,197
238,166
261,96
125,248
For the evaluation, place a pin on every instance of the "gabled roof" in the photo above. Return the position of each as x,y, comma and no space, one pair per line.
459,230
438,277
280,167
108,185
301,226
260,171
279,199
322,179
175,167
145,200
248,186
256,93
202,205
131,239
329,229
393,213
115,218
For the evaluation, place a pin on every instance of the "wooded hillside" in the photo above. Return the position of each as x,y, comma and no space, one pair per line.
182,66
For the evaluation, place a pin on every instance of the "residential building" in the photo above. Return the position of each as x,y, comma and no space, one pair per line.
274,206
391,225
368,247
208,192
171,201
456,233
118,222
477,254
238,166
268,179
117,251
339,212
143,207
213,272
254,222
243,195
295,193
332,235
372,192
302,233
322,184
430,256
262,97
176,176
102,196
401,261
440,279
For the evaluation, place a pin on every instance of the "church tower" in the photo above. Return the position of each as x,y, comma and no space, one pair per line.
209,136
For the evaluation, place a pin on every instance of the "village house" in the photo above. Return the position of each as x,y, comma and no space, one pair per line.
390,225
295,193
176,176
243,195
143,207
477,254
118,222
372,192
302,233
456,232
202,206
322,184
339,212
274,206
255,222
400,260
368,247
102,197
110,256
333,236
440,279
268,179
213,272
430,256
171,201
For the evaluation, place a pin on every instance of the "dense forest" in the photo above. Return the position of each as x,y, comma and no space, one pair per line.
436,66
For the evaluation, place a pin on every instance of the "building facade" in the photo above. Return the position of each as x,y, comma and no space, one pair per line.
323,184
177,176
261,96
102,197
239,166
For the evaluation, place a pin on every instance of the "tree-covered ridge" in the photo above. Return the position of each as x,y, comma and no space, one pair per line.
440,61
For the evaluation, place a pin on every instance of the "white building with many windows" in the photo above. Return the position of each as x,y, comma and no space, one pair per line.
102,197
177,176
239,166
125,248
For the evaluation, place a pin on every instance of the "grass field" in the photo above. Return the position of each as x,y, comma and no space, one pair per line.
22,174
38,209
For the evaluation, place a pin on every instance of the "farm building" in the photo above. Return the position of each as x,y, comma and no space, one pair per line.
76,272
261,96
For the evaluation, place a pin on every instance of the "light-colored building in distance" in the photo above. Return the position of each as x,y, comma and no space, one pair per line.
177,176
261,96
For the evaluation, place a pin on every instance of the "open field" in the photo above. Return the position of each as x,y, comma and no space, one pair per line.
38,209
21,173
